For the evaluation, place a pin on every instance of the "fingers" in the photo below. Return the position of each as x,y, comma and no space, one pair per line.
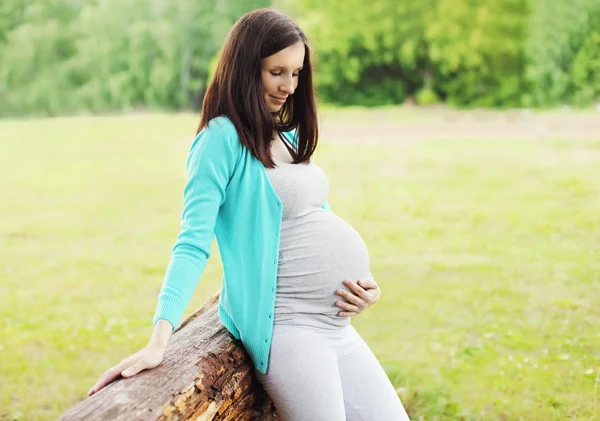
136,368
348,306
347,313
105,379
356,288
111,374
108,377
350,298
368,283
372,291
358,299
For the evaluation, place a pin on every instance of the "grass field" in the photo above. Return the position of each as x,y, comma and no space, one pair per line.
487,253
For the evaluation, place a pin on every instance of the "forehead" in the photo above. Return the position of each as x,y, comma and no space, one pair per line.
290,57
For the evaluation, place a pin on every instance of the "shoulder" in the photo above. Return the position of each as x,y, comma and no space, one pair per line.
218,141
220,126
220,130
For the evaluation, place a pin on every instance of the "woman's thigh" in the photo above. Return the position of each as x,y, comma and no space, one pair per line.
368,392
302,376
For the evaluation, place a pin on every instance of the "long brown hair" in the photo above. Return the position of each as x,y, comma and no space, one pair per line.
236,89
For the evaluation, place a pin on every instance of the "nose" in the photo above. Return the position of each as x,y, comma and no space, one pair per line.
288,87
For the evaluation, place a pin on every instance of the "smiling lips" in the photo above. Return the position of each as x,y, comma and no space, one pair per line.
279,99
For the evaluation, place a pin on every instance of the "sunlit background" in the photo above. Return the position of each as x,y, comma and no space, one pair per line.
461,139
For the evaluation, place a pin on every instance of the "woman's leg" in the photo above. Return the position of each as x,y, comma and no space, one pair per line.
302,377
368,392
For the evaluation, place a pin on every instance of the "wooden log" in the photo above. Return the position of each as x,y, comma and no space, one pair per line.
206,375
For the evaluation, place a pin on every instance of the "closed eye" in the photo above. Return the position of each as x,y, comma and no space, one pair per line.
279,74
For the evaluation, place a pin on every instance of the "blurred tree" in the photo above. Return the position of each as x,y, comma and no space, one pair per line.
380,52
368,54
32,53
68,56
476,48
586,70
558,31
11,16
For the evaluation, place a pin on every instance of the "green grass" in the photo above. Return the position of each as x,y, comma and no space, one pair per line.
487,253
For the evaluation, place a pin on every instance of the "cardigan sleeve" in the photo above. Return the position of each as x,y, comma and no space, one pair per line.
210,165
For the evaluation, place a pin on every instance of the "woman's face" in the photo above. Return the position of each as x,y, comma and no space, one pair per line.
279,73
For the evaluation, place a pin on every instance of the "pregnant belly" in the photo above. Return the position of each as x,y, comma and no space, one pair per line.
318,251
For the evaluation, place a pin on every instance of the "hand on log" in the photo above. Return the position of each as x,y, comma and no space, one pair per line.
148,357
205,374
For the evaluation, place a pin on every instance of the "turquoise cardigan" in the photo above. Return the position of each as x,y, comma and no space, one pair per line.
228,194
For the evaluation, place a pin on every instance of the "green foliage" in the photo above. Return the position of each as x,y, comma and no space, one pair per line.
489,53
586,70
558,32
11,16
426,96
476,50
32,55
366,55
61,56
110,54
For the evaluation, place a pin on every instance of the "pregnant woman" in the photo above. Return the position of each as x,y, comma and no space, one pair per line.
294,272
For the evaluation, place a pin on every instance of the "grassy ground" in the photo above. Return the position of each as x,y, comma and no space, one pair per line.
487,253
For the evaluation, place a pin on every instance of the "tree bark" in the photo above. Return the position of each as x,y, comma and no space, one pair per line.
206,375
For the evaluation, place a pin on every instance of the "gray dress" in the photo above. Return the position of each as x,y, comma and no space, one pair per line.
320,369
318,250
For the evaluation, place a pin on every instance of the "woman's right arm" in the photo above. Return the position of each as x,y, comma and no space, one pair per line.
213,157
211,163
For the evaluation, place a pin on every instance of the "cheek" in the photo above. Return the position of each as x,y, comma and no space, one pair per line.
265,82
268,84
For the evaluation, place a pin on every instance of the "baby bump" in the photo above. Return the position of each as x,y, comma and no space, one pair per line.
318,251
